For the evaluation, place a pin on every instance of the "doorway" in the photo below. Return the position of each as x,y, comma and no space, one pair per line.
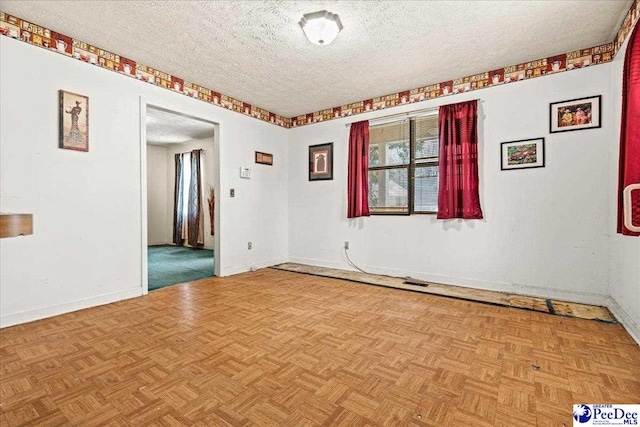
180,197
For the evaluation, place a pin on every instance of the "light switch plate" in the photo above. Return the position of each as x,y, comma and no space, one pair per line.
232,193
245,173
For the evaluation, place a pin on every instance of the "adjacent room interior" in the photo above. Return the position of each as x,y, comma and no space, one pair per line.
300,213
180,198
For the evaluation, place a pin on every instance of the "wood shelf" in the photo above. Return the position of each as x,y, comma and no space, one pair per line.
13,225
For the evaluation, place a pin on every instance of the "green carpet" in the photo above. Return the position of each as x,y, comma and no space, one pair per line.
169,265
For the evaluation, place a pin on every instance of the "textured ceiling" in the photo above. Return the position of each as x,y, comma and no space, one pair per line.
164,127
256,51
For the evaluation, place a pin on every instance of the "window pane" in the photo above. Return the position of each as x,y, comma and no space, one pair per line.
388,190
389,144
426,189
426,137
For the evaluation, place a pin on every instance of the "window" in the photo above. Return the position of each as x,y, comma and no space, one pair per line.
186,185
403,166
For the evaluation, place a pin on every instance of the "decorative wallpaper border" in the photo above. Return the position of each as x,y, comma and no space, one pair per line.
528,70
14,27
627,24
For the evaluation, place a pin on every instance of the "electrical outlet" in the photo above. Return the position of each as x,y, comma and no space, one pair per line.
346,244
250,245
232,193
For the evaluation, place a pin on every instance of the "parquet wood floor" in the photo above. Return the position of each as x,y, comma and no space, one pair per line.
275,348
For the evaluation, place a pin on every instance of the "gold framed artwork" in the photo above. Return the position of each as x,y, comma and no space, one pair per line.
74,121
264,158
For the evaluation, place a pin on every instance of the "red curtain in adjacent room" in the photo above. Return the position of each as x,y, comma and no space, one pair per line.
358,175
629,170
458,191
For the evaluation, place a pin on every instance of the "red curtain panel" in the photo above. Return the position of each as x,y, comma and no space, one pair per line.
629,168
358,178
458,192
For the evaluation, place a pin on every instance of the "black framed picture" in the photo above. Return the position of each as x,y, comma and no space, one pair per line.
575,114
523,154
321,162
264,158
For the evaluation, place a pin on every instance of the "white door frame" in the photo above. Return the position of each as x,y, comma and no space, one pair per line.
144,103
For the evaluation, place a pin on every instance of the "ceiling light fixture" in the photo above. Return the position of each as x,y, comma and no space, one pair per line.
321,28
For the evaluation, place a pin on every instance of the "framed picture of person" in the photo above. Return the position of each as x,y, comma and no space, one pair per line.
321,162
575,114
74,121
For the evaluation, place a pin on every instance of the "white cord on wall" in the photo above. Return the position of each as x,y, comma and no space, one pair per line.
416,282
352,264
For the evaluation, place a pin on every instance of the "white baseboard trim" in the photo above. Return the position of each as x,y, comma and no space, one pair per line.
18,318
632,327
211,248
244,268
528,290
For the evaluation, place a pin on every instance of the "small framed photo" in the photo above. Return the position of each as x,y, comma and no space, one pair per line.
74,121
523,154
321,162
575,114
264,158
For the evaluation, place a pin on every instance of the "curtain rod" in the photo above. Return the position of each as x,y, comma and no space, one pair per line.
189,152
409,114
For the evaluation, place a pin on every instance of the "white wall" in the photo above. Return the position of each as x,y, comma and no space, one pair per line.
207,170
624,250
87,243
545,231
158,196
